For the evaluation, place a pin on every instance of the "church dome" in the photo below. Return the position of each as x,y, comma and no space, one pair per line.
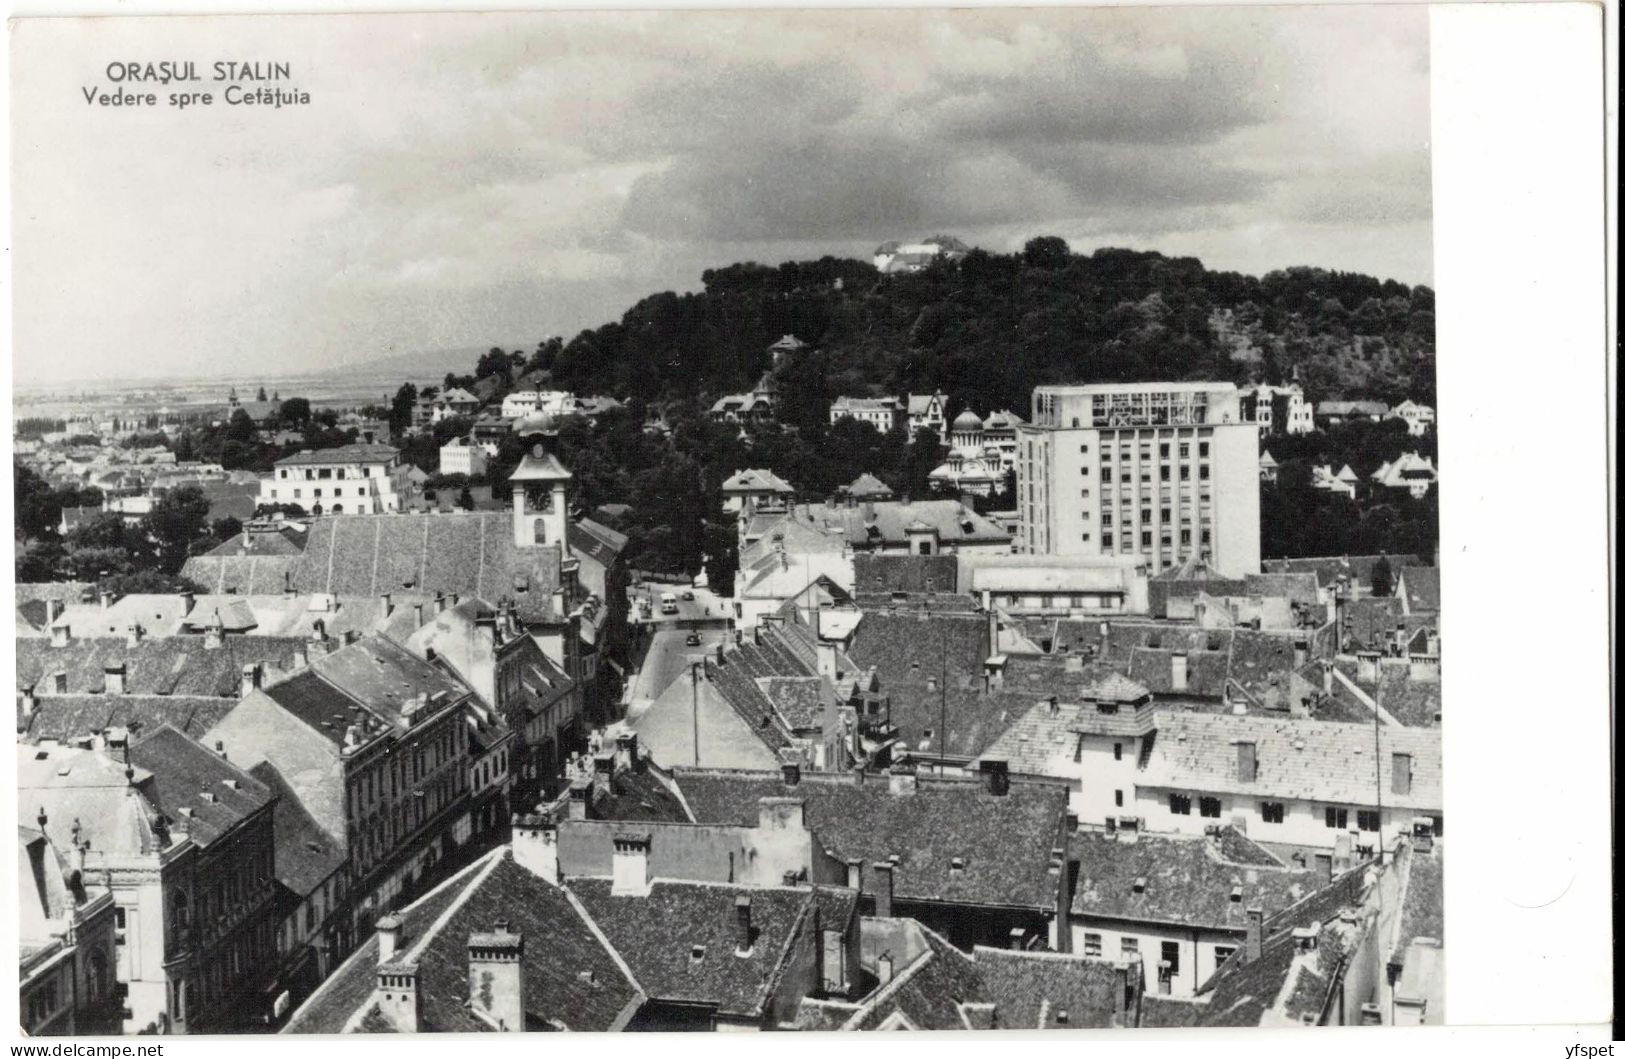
967,420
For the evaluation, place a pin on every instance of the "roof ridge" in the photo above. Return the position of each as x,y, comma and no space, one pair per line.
431,932
598,933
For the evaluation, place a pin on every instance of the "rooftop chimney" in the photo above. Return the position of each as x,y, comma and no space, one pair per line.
496,980
626,751
791,771
113,677
631,875
300,660
53,610
251,678
386,604
389,937
29,702
881,873
744,937
1255,933
188,601
106,598
61,635
59,682
854,873
1181,671
883,967
439,602
397,995
536,845
132,634
417,614
214,634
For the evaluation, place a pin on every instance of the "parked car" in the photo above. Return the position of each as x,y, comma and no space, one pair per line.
688,595
693,639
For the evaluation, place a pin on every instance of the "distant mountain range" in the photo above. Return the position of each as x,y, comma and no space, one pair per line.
424,365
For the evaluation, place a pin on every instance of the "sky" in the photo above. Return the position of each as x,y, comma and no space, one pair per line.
462,181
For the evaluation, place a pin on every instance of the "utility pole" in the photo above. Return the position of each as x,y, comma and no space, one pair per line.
694,681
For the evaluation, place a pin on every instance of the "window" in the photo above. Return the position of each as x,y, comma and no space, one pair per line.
1369,820
1179,804
1202,472
1106,540
1170,956
1201,450
1337,819
1118,795
1162,450
1222,953
1145,538
1272,812
1129,947
1117,754
1210,807
1091,945
1162,473
1184,474
1083,450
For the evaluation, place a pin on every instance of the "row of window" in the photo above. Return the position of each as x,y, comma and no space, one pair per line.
1336,817
311,474
1164,473
1129,947
1164,450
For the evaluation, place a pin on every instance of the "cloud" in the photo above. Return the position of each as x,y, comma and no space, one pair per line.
466,179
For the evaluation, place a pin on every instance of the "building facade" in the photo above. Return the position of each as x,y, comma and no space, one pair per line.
348,480
1165,471
879,412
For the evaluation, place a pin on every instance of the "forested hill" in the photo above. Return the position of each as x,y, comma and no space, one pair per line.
989,328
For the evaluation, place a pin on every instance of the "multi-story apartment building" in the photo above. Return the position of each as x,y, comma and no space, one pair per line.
1165,471
879,412
374,743
348,480
184,839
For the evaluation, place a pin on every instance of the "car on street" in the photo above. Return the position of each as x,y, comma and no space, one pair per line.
688,596
692,640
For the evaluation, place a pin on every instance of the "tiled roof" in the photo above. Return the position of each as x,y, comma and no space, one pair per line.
69,717
1004,841
1328,568
928,992
571,979
1284,986
1297,587
1422,914
168,665
1321,761
886,521
878,573
799,700
1182,880
471,554
680,939
306,856
1421,587
1048,990
242,574
341,454
756,479
597,542
287,540
1041,742
201,793
867,487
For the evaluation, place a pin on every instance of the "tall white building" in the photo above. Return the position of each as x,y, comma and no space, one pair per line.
350,479
1160,470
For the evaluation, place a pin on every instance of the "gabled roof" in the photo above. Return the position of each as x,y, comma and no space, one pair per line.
306,856
1050,990
755,480
67,718
167,665
888,521
1356,567
680,940
1182,880
470,554
875,572
1003,841
1320,761
204,795
572,978
1419,585
356,453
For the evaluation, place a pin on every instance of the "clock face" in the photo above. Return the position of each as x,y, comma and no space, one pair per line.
539,498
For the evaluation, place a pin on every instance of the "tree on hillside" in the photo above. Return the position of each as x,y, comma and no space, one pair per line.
1046,251
261,398
1382,577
